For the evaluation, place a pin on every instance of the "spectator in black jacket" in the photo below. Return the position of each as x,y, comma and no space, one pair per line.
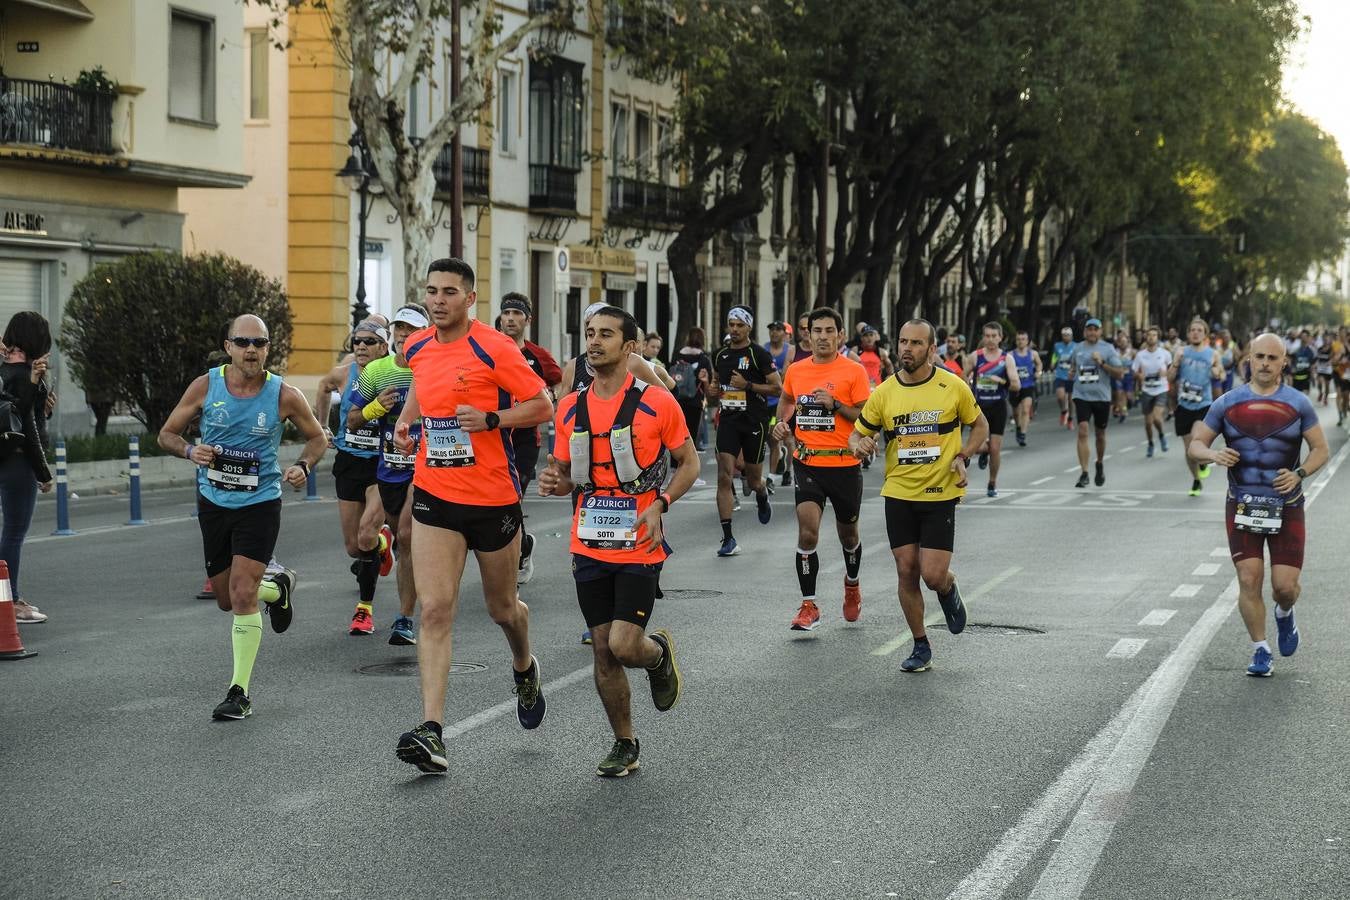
27,345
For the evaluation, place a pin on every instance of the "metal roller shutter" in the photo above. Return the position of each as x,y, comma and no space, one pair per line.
20,288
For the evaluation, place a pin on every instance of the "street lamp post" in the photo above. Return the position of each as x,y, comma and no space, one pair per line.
356,175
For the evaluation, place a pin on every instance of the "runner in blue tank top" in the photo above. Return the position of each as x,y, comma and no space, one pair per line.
780,351
1062,361
1028,364
1193,371
243,409
993,376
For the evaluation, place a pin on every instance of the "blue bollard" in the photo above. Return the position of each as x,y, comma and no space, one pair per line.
312,486
63,528
134,462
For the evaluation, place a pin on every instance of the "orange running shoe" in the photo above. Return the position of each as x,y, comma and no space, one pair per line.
852,601
387,554
362,623
808,617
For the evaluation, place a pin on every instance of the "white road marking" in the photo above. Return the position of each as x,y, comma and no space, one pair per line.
1125,648
901,639
1221,551
1324,477
1127,449
1043,480
1204,570
1147,708
1107,456
487,715
1158,617
1072,469
1186,590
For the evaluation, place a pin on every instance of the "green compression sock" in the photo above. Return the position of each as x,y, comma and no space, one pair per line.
268,592
246,635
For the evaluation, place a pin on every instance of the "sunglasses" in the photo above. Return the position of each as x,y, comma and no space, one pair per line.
250,342
366,342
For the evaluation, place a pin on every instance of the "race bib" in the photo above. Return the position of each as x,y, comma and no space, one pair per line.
1089,375
1301,364
732,399
813,416
1259,515
1190,392
917,445
607,522
448,445
985,384
234,470
394,458
1154,384
367,437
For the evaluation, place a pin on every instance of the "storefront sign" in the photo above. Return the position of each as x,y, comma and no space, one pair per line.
603,259
615,282
24,222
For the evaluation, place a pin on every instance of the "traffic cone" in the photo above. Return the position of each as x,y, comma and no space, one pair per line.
207,592
10,645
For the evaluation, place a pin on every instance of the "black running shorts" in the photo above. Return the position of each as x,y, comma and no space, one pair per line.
1186,418
996,411
353,474
250,531
608,592
486,529
1099,411
841,485
393,495
1026,393
742,434
929,523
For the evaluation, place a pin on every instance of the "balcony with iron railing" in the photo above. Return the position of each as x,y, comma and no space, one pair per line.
634,200
553,187
55,116
474,164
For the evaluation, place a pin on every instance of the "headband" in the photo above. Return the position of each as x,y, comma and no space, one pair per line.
738,314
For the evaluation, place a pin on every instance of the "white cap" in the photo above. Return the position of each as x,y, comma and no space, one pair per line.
592,310
410,316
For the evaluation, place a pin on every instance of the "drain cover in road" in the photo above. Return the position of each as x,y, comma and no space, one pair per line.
685,594
409,667
1012,630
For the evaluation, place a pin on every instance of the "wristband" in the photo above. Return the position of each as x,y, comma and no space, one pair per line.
665,501
373,410
965,460
187,453
303,465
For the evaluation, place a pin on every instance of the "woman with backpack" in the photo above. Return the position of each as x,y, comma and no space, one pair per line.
24,407
691,369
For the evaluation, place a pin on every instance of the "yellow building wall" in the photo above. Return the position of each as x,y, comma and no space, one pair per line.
482,252
319,204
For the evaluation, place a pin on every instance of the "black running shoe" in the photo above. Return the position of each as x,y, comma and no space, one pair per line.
529,693
1101,475
787,477
423,748
765,508
1082,480
622,759
281,610
984,460
920,660
665,678
953,609
236,705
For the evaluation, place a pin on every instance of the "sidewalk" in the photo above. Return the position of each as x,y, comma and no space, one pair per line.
113,476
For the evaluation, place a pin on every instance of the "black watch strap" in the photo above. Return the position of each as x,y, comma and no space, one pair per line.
1301,472
493,421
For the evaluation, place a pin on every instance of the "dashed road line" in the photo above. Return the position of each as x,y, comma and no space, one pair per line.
1183,591
1126,648
1204,570
1220,551
1158,617
1043,480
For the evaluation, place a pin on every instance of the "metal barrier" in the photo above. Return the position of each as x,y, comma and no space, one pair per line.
63,528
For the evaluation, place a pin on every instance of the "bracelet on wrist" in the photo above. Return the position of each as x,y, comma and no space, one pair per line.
665,501
187,452
965,460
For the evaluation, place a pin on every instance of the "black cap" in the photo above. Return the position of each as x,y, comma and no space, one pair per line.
518,303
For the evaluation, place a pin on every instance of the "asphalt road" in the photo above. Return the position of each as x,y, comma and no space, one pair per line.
1092,735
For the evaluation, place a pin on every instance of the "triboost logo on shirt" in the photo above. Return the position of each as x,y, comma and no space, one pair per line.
918,417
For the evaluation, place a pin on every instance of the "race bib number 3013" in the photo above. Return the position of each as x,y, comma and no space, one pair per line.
234,470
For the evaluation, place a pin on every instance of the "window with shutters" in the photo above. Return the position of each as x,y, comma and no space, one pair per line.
192,68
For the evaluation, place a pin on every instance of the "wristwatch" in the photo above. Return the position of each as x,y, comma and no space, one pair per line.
965,460
493,421
1302,473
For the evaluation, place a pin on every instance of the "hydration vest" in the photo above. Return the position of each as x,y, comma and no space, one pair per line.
632,477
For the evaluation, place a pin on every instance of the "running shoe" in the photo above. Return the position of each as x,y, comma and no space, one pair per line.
1195,488
1260,666
852,601
423,748
787,477
1162,442
765,508
1204,471
1082,480
402,634
526,570
586,637
236,705
729,548
953,609
1288,634
26,613
735,503
991,491
387,554
362,621
280,611
920,660
665,678
745,486
1149,454
807,618
1064,419
768,486
622,759
700,482
1101,475
1021,438
530,706
984,460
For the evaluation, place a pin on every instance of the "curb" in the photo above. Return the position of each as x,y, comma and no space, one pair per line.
113,476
